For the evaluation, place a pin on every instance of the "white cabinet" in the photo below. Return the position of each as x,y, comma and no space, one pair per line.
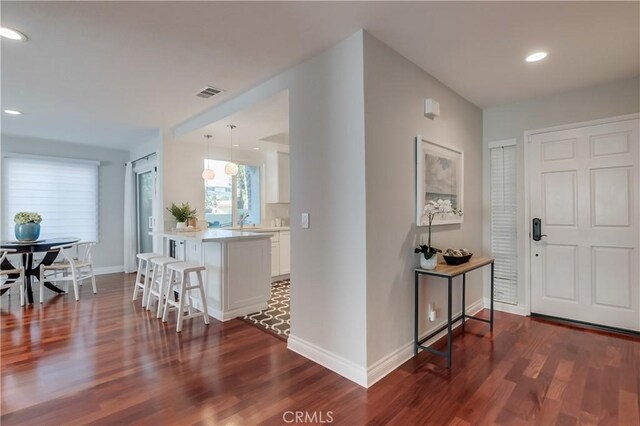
275,254
280,252
285,252
277,177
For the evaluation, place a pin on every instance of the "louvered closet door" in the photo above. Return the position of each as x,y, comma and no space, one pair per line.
503,221
584,188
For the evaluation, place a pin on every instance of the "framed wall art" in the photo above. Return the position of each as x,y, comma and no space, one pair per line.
439,176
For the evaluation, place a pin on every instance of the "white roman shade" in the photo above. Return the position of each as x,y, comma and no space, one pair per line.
64,192
503,220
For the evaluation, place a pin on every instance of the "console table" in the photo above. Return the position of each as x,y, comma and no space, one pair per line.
449,272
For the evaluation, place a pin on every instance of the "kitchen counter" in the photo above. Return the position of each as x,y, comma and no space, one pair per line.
211,235
238,267
262,229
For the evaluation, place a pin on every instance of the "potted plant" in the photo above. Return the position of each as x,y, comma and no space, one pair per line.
27,226
182,214
429,258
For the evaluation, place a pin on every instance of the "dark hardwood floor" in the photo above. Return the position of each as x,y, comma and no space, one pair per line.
104,360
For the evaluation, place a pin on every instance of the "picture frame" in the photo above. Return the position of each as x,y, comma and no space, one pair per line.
439,175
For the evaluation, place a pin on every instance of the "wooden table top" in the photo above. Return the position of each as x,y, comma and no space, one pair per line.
445,270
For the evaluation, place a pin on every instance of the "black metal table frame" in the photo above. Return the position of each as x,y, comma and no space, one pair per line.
27,252
418,342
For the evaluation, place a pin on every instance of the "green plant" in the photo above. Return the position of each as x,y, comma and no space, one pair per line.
27,217
182,212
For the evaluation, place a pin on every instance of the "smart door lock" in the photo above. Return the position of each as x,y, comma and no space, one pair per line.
536,232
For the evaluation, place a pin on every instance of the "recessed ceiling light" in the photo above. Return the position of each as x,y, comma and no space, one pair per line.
256,149
12,112
535,57
12,34
235,145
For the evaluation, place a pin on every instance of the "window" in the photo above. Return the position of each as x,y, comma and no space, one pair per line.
227,198
503,220
63,191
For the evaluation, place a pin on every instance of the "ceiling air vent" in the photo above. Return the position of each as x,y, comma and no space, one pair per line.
208,92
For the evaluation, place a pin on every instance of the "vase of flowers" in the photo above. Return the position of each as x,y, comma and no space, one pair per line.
429,257
27,226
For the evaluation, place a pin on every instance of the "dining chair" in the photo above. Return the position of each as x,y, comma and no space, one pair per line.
6,279
75,267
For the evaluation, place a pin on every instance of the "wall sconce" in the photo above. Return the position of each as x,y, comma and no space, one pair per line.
431,108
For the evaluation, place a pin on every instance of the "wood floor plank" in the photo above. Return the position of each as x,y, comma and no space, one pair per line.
106,361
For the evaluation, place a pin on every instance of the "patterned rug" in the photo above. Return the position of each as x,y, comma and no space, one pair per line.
275,319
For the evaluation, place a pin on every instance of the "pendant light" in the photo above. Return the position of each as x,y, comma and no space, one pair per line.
208,174
231,168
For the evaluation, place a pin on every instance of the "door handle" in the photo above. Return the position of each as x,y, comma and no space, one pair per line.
536,229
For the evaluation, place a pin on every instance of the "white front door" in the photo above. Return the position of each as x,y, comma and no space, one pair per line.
584,188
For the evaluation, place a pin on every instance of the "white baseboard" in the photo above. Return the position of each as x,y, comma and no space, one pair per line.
506,307
108,270
330,360
387,364
367,377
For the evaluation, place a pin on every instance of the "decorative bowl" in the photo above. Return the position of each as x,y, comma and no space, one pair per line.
457,260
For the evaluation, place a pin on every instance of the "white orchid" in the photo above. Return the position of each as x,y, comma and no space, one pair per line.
433,208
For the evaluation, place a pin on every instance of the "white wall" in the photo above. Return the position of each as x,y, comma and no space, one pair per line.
328,300
108,252
395,90
183,165
511,121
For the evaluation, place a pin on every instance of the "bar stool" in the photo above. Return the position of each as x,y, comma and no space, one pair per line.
158,278
184,288
143,262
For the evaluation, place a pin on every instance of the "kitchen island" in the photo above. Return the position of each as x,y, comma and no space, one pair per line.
238,275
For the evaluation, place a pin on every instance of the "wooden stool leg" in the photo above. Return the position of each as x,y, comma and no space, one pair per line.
135,287
161,291
183,286
203,298
169,291
152,284
22,285
147,281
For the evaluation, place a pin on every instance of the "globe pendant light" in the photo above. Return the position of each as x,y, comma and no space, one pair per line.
231,168
208,174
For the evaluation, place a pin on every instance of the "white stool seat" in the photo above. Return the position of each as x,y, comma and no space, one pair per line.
147,256
163,261
184,288
186,267
144,267
158,286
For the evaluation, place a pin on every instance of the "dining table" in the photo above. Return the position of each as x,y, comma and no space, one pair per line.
27,249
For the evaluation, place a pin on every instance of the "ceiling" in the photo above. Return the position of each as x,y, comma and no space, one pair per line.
264,125
111,73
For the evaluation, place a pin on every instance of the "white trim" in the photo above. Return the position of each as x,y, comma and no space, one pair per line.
51,158
581,124
527,181
395,359
330,360
108,270
506,307
502,143
229,315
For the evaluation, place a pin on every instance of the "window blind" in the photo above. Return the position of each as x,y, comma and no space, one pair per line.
503,222
63,191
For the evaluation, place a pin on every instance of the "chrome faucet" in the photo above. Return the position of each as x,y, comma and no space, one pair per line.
242,219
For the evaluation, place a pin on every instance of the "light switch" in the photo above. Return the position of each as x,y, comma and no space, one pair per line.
305,220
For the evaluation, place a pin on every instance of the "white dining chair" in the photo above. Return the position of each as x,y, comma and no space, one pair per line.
8,282
74,269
